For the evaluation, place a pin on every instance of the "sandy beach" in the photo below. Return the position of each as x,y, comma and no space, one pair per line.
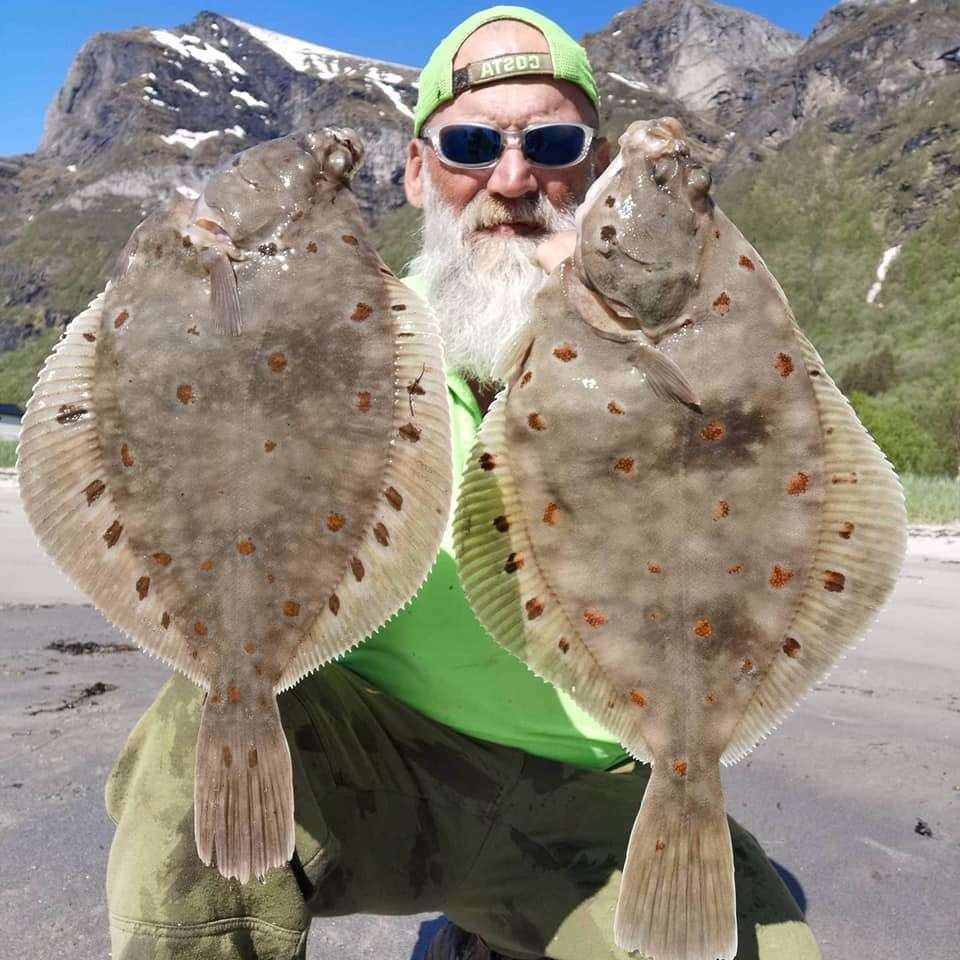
856,797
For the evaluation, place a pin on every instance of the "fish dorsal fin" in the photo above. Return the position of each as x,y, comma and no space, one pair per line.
509,591
860,549
61,472
403,536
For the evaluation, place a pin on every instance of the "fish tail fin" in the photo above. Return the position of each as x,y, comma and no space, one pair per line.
677,899
243,792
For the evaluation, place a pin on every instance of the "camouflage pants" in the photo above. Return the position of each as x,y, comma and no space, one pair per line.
395,814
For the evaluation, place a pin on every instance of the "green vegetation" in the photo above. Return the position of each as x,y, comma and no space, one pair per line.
397,237
8,453
19,368
932,499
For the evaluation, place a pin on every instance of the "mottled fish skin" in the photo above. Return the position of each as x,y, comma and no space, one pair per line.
665,554
246,507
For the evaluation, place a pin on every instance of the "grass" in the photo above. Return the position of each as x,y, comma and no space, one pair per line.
932,499
8,453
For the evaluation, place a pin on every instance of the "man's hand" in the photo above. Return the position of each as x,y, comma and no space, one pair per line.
555,249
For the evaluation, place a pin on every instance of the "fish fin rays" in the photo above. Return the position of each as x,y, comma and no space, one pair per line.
514,600
224,294
243,793
664,377
403,534
861,545
677,898
67,498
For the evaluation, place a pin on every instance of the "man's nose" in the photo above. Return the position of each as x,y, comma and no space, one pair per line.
513,176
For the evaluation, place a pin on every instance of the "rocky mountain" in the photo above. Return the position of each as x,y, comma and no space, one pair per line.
838,154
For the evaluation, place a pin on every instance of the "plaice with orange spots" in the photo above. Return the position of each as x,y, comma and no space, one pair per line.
236,488
739,525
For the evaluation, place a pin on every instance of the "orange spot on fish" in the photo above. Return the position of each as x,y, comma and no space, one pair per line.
93,490
161,558
535,422
798,483
361,311
702,628
393,497
551,513
714,430
833,581
747,666
721,509
165,620
409,432
638,698
363,401
709,699
594,617
206,566
654,567
534,607
270,578
120,319
335,521
334,604
276,361
722,304
660,846
514,563
746,263
501,524
780,576
487,461
382,535
185,393
246,547
356,566
349,240
252,759
615,409
311,247
233,695
269,445
90,336
143,587
791,648
565,352
563,644
680,768
784,364
525,379
735,568
112,534
846,530
609,201
227,754
624,465
200,628
291,608
125,457
608,233
249,647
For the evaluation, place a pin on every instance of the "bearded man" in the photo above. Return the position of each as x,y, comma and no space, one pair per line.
432,771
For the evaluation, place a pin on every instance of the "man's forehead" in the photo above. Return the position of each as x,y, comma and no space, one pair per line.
516,102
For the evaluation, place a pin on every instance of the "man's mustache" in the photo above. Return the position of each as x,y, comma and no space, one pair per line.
491,211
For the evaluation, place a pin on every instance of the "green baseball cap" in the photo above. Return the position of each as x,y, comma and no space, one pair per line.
439,82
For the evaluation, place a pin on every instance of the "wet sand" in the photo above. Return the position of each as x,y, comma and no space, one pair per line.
834,796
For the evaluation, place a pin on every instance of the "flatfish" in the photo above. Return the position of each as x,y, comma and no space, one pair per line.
674,515
241,453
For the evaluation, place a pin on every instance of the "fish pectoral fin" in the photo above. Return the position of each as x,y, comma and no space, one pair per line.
665,378
224,295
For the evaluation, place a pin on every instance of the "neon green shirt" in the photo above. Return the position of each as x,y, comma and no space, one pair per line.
435,657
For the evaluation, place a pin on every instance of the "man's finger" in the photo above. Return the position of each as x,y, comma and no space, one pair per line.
555,249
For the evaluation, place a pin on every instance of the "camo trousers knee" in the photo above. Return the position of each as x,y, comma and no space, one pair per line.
396,814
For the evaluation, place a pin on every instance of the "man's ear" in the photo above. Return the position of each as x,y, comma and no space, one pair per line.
412,184
601,156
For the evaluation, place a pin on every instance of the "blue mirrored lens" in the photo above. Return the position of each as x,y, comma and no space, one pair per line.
469,144
555,145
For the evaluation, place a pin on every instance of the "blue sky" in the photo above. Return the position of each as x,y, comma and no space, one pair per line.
41,38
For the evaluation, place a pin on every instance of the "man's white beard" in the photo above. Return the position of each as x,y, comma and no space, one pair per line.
481,285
